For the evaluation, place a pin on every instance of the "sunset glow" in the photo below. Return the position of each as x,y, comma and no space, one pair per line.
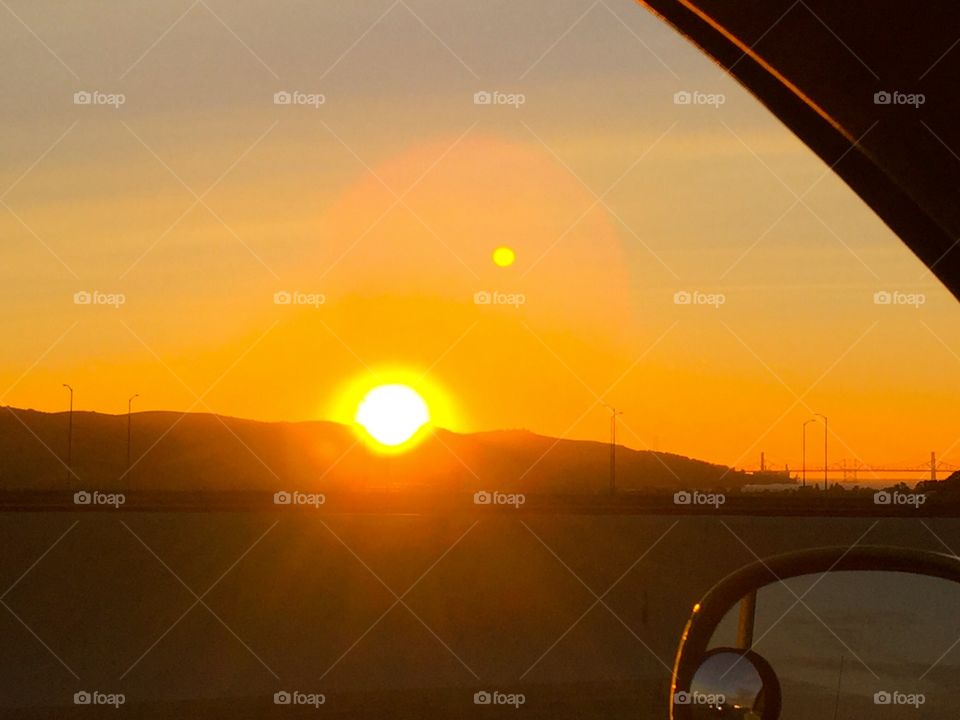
598,244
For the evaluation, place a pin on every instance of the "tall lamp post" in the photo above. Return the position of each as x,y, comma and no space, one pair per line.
826,432
129,409
69,435
804,451
613,447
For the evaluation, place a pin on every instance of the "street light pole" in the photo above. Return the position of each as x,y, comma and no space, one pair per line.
804,451
69,435
613,448
129,408
826,432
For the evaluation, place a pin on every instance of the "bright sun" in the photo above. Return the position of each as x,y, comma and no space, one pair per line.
392,414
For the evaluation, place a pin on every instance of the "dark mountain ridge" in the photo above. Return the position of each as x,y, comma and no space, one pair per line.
171,451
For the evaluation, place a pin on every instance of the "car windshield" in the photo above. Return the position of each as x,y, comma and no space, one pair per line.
411,357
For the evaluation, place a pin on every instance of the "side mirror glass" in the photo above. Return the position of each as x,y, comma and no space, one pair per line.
732,683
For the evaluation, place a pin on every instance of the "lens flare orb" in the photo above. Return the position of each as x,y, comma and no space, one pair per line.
504,256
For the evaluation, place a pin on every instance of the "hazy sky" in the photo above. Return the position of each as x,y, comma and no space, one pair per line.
198,199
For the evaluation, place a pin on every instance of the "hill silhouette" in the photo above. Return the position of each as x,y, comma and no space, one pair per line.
204,452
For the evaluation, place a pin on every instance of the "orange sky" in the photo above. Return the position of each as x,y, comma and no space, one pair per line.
389,200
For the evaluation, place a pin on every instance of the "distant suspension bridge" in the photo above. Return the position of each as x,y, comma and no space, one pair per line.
851,472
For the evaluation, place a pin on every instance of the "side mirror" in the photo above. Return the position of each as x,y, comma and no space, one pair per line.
732,683
915,587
